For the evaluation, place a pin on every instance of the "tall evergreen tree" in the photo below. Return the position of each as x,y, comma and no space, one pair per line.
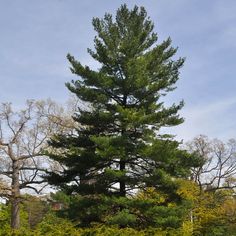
118,148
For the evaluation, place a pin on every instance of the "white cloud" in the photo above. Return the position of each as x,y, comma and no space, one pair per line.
213,119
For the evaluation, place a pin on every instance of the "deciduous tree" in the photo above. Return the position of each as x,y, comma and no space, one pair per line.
218,165
23,139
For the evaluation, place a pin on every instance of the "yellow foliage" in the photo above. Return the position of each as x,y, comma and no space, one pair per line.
188,189
207,209
187,228
152,194
229,208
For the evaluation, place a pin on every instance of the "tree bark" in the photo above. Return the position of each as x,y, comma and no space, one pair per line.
122,181
122,162
15,199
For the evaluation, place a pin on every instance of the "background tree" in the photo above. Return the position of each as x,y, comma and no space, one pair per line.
36,207
208,212
23,138
118,148
218,167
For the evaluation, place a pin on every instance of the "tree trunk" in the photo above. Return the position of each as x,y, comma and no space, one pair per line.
15,198
122,181
122,162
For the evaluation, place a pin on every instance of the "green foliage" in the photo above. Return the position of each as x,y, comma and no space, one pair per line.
200,213
4,218
123,218
60,196
5,227
53,225
36,208
147,209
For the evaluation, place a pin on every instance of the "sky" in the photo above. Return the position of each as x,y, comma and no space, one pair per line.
35,37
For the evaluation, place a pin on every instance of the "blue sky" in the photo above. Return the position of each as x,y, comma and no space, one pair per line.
35,37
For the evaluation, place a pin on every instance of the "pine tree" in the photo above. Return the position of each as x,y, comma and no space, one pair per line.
119,149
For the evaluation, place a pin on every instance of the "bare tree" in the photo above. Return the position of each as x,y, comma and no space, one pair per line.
218,169
23,140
